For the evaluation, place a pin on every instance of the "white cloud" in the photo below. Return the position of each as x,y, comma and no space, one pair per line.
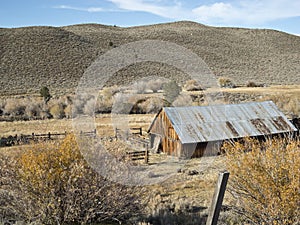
246,12
156,7
90,9
226,13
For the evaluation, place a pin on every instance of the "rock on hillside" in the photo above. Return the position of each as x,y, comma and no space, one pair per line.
56,57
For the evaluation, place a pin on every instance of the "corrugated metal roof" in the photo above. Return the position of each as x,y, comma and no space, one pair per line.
219,122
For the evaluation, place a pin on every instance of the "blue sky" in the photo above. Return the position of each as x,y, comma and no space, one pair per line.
272,14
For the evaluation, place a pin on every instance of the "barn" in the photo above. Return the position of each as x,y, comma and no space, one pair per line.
195,131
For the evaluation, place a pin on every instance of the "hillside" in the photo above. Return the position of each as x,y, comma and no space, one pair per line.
56,57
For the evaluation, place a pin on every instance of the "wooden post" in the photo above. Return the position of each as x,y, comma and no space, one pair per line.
49,135
216,204
32,136
116,133
146,156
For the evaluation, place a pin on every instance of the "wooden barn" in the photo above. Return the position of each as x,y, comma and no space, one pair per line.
195,131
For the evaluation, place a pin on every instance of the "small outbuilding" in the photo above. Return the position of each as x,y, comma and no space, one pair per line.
195,131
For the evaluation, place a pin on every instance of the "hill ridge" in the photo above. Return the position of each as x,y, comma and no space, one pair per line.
32,57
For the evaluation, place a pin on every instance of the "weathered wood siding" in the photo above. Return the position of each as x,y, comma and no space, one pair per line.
196,150
162,127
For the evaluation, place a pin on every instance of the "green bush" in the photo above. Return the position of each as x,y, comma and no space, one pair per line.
45,93
171,91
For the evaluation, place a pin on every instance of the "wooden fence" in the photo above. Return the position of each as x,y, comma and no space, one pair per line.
138,155
26,139
137,143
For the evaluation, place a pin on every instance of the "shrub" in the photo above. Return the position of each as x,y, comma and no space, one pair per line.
192,85
14,107
57,111
45,93
252,84
151,105
156,85
183,100
2,106
33,110
264,178
225,82
89,107
105,100
52,184
140,87
68,111
123,103
171,91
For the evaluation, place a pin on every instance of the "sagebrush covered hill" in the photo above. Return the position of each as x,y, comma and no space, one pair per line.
57,57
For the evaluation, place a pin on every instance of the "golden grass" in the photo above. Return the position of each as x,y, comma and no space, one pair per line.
103,122
274,89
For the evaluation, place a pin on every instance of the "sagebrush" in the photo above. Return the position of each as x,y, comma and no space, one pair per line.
265,179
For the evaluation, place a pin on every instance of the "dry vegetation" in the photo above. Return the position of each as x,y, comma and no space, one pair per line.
263,56
144,97
50,183
265,180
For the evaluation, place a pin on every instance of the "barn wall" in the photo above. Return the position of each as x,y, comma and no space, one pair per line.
162,127
196,150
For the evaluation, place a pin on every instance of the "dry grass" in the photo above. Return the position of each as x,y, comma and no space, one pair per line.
284,96
103,123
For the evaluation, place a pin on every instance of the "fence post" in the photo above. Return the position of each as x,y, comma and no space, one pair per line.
214,210
116,133
49,135
32,136
146,156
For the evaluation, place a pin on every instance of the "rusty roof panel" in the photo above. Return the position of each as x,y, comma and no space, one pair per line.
220,122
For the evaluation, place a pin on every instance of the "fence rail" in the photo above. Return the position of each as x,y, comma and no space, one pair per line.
139,155
26,139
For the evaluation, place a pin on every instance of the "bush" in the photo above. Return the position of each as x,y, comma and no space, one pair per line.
171,91
192,85
89,107
68,111
252,84
33,110
183,100
140,87
52,184
57,111
156,85
2,106
264,178
14,107
151,105
45,93
225,82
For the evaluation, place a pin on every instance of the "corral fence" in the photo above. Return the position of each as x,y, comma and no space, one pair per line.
34,138
140,146
141,149
26,139
138,155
